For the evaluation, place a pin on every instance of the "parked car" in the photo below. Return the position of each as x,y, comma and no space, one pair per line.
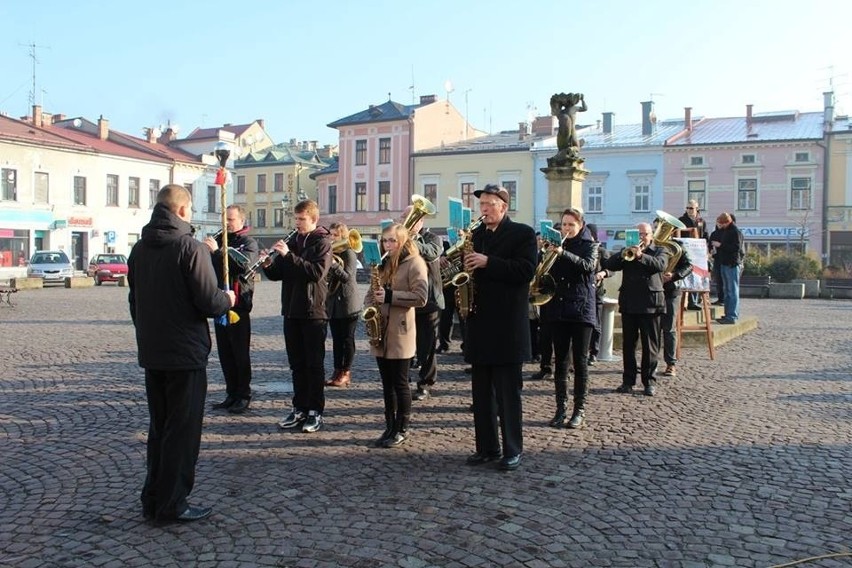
107,268
50,265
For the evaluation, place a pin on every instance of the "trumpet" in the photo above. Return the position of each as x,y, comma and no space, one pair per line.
629,253
267,254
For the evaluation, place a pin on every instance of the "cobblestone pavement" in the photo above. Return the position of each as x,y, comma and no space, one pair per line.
742,461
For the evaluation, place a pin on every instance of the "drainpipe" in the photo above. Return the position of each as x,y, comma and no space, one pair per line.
825,159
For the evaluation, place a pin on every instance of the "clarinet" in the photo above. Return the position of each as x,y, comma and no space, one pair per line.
270,255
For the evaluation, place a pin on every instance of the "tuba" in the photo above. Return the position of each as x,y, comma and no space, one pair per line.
352,241
420,207
372,315
666,226
543,287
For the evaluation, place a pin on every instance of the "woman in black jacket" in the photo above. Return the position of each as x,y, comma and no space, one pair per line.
344,306
572,314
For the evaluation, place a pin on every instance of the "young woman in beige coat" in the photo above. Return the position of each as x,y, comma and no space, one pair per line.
403,286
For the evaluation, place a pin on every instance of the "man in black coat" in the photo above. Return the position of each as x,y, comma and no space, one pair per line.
233,341
641,302
497,341
302,264
173,291
668,322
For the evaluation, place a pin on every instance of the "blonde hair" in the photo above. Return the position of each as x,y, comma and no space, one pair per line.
406,248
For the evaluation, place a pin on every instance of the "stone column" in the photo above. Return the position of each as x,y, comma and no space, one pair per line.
564,187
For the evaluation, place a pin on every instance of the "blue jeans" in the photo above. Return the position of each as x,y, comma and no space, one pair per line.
731,285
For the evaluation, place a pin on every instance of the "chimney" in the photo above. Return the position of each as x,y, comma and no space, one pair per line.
167,136
607,122
748,114
687,118
151,135
544,125
828,102
647,124
260,122
103,128
523,130
427,99
312,145
37,117
57,118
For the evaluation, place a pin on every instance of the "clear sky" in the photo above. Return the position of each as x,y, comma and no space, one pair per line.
301,65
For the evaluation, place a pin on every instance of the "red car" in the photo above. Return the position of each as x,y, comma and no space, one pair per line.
107,268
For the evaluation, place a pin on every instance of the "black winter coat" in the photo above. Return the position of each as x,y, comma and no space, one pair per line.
302,272
574,274
345,302
682,269
498,332
730,251
249,249
431,246
173,291
641,289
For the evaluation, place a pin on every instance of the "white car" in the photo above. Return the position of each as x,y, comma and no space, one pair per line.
50,266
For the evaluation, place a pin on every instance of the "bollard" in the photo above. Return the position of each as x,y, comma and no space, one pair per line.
607,325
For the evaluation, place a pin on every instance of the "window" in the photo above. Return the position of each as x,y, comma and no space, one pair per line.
384,196
512,187
261,183
278,186
332,199
467,189
278,217
133,191
10,184
749,159
384,150
153,190
697,189
747,195
42,187
261,218
594,199
802,157
112,190
241,184
641,197
360,196
430,191
800,193
212,195
80,191
15,247
696,160
360,152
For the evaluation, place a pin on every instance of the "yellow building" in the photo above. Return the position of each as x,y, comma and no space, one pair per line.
838,198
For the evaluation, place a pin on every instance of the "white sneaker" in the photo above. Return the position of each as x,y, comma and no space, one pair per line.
292,420
313,423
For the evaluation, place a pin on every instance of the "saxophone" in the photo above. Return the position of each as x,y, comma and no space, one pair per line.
372,315
464,283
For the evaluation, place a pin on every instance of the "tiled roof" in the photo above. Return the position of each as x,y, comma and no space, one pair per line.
332,168
379,113
14,130
763,127
281,154
156,148
84,131
506,141
204,133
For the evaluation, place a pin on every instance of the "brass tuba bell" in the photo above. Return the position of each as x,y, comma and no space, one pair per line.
666,226
420,207
352,241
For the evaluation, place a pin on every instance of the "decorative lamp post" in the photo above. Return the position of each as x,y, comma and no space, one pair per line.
222,151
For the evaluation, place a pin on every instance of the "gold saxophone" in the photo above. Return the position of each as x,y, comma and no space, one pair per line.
464,283
455,264
372,315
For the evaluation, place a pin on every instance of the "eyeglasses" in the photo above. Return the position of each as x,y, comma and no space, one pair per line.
389,240
690,208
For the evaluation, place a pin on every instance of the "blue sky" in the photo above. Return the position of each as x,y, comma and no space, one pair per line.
301,65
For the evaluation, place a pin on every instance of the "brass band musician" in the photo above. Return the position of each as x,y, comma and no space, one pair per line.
343,309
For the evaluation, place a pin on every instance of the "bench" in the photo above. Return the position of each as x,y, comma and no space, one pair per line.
840,287
7,291
754,286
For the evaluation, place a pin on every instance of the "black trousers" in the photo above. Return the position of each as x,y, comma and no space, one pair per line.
545,344
534,351
427,330
305,341
233,342
647,328
448,314
395,389
496,393
595,340
176,410
573,338
343,341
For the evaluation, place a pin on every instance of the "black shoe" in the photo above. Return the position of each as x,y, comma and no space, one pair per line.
625,389
559,420
542,375
225,404
421,393
240,406
442,348
510,463
468,370
725,321
480,458
578,419
592,360
396,439
380,441
718,303
650,390
293,420
693,307
194,514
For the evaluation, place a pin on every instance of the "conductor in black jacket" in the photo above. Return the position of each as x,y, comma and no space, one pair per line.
641,303
497,340
173,291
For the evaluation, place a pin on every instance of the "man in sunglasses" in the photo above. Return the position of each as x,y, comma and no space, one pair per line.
692,219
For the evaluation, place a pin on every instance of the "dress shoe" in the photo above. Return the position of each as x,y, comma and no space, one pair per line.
578,419
592,360
421,393
559,419
225,404
542,375
625,389
240,406
442,348
342,380
650,390
671,371
510,463
194,514
725,321
480,458
395,439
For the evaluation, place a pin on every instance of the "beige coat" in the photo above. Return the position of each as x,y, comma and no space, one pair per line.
410,290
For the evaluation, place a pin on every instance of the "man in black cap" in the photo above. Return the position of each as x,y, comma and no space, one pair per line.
497,341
